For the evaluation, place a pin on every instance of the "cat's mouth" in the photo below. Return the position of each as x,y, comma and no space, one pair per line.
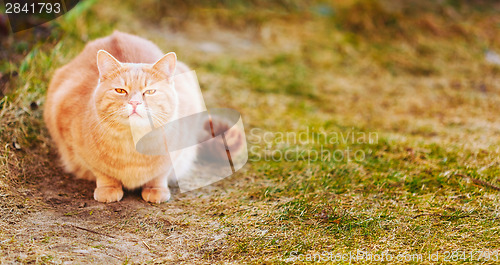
134,113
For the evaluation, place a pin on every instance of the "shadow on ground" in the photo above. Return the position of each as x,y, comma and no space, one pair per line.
63,223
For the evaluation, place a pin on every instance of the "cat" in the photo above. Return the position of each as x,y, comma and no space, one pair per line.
116,82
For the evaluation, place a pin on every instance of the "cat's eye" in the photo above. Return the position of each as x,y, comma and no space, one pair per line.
121,91
150,92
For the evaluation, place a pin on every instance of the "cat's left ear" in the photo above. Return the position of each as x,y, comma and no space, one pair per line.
166,64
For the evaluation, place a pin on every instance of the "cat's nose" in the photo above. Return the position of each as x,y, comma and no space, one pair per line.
134,103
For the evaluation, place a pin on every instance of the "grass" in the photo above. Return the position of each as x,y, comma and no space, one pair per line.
412,74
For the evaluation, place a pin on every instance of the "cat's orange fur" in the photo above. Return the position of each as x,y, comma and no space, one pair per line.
88,115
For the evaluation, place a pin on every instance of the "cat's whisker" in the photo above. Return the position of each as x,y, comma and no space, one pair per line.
160,119
103,130
106,118
102,120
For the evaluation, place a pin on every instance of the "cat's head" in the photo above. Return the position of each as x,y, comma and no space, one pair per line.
141,93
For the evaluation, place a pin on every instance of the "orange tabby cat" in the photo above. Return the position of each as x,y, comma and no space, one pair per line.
92,101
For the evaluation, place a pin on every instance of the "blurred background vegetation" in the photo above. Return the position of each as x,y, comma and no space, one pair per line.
302,48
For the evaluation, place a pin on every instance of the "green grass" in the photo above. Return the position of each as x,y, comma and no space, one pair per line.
412,74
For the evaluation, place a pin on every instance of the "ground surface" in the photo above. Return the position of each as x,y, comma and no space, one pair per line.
410,81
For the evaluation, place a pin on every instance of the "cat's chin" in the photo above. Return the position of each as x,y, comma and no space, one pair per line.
132,121
138,121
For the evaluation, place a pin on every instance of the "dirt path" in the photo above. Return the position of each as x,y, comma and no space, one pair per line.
60,222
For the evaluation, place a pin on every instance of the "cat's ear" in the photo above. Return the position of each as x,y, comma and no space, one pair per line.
106,63
166,64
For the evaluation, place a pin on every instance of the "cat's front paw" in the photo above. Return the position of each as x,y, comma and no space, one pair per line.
156,195
108,194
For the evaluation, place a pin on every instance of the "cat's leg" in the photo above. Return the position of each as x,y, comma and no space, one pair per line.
156,190
108,189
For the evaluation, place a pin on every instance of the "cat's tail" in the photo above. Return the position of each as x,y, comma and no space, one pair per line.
231,142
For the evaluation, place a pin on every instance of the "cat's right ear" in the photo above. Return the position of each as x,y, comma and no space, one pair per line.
166,64
106,63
